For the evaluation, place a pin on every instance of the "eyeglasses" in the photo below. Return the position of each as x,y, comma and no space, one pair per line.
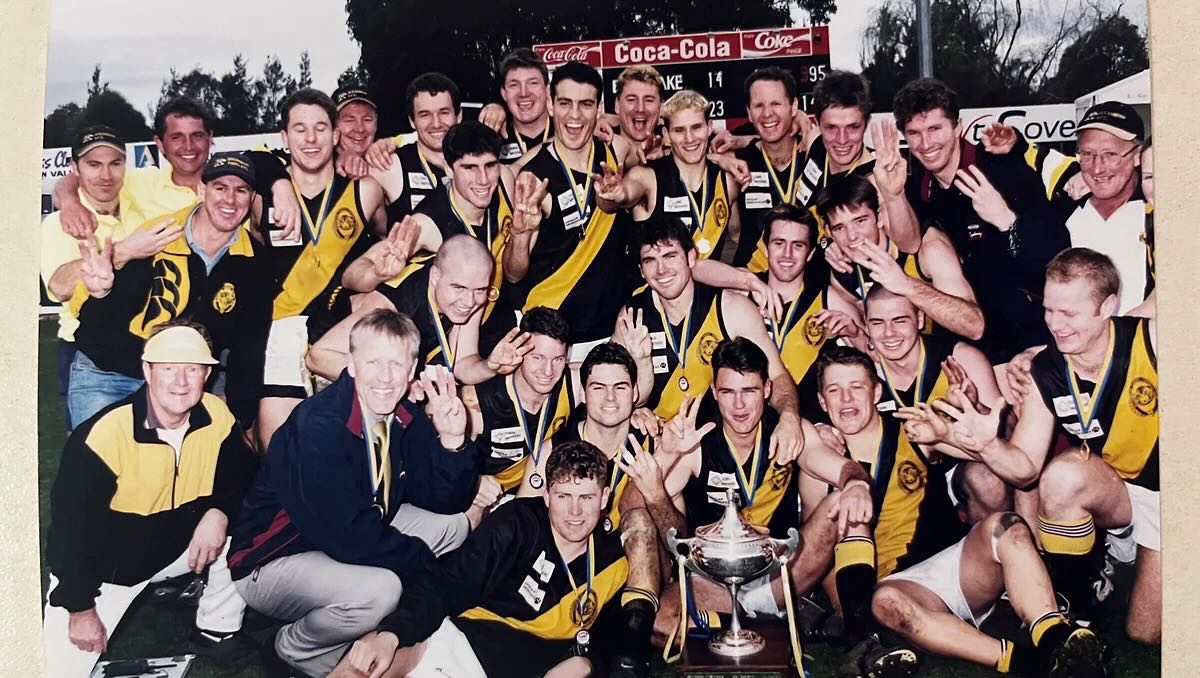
1107,158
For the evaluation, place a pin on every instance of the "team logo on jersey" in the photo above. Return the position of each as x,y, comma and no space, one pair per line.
344,223
333,297
721,210
225,299
1143,396
814,331
911,477
168,296
506,228
708,345
779,476
585,609
556,424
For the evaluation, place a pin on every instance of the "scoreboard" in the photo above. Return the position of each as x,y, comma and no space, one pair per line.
714,64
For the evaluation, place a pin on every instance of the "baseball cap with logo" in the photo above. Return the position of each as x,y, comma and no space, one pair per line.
229,163
1116,118
178,344
93,136
349,93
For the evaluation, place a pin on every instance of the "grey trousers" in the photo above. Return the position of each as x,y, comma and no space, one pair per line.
331,604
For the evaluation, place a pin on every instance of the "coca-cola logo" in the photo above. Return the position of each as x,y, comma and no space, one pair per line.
766,43
774,41
556,55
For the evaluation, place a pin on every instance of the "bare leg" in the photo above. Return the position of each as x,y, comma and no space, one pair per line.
1144,620
272,412
983,492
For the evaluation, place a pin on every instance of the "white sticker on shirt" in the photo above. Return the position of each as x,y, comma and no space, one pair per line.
681,204
420,181
532,594
759,180
566,200
1064,406
722,480
510,152
812,172
660,364
544,567
1094,431
886,406
512,434
803,193
416,200
718,498
755,201
658,340
572,220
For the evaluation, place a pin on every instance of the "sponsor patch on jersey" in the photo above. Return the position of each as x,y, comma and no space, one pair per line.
544,567
1064,406
566,200
532,593
660,364
756,201
420,181
680,204
572,219
812,172
510,151
416,199
759,180
886,406
1094,431
803,193
722,480
658,340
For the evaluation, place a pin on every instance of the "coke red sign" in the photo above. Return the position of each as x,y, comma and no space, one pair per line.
690,48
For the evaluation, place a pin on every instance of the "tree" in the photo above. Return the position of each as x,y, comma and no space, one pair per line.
305,79
109,107
1112,50
467,45
196,84
239,106
58,129
819,11
95,87
274,86
354,75
992,53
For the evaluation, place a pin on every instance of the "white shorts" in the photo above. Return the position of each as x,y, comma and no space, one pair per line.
940,574
448,655
286,345
1147,518
757,598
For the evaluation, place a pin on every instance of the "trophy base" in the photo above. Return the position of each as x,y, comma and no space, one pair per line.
772,660
745,642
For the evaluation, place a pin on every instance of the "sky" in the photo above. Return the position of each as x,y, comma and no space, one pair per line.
137,42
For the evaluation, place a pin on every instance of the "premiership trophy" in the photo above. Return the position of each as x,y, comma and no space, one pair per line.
733,552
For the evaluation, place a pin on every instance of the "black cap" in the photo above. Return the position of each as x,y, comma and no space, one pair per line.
344,95
229,163
1116,118
93,136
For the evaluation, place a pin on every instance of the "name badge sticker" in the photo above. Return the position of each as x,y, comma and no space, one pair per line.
759,180
510,152
803,193
1064,406
566,200
658,340
572,220
532,593
812,172
680,204
886,406
757,201
419,180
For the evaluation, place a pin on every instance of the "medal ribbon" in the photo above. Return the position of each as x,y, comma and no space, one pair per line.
677,346
586,190
789,194
919,391
425,167
541,139
535,441
467,227
1087,415
862,157
779,331
443,340
700,210
590,555
314,226
757,467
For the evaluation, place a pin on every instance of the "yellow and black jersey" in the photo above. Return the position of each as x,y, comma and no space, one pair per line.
232,301
768,187
411,295
334,233
1148,239
699,333
580,264
617,480
931,382
859,282
1120,414
768,493
914,517
1055,170
706,211
517,144
507,589
124,505
799,336
509,436
421,180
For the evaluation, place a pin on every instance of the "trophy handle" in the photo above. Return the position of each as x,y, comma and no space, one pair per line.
679,547
786,548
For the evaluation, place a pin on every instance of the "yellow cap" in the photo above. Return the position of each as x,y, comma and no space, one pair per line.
180,344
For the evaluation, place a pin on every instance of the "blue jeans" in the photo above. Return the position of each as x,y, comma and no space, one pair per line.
92,389
66,355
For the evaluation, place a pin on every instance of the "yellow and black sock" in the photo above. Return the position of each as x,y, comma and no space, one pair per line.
854,575
1049,629
1017,659
1068,547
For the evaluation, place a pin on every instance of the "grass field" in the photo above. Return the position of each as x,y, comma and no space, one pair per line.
151,630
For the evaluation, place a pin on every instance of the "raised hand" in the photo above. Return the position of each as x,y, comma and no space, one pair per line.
644,471
837,324
735,168
610,186
998,138
787,441
922,425
646,421
837,259
494,116
146,241
510,351
654,149
381,154
528,194
632,333
770,302
987,201
854,506
891,169
832,437
883,268
680,435
96,268
446,409
285,210
1018,377
970,430
489,492
956,375
351,166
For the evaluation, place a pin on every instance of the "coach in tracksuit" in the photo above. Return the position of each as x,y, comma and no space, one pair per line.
358,490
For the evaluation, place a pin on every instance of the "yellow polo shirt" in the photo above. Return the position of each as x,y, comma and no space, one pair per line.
59,248
151,189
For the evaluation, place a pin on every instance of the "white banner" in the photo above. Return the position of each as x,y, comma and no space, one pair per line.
1042,123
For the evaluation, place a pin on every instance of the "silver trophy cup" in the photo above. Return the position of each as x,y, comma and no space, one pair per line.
733,552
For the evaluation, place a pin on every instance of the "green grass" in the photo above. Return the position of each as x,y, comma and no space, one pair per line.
150,630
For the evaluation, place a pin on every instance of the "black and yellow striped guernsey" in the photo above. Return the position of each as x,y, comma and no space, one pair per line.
410,294
507,589
1123,421
799,336
506,441
124,506
701,331
516,145
310,274
769,493
706,211
931,382
580,264
617,480
422,179
914,517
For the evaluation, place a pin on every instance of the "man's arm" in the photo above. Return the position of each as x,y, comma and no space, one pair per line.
531,204
636,188
330,355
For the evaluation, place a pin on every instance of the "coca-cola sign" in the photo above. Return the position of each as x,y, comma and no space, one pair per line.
785,42
560,53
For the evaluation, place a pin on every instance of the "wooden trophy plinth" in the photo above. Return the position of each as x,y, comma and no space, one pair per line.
774,661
